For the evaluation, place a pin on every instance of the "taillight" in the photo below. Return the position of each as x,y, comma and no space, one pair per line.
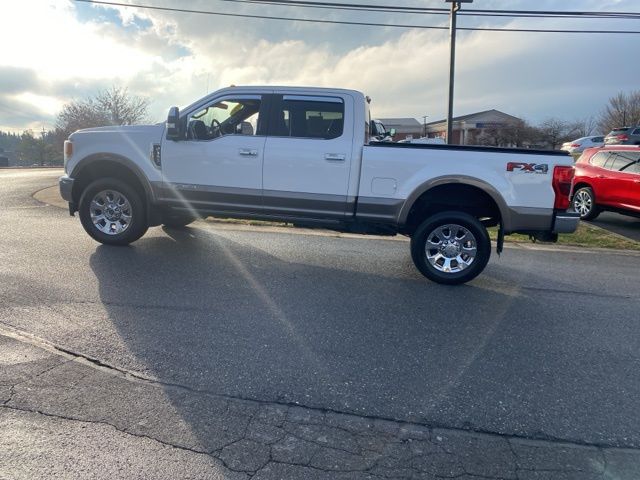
575,145
562,180
623,137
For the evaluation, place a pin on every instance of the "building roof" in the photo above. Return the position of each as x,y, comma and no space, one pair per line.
400,122
472,116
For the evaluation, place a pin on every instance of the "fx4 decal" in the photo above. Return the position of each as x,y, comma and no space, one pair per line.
528,167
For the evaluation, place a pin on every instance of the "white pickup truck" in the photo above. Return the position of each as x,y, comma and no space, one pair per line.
303,156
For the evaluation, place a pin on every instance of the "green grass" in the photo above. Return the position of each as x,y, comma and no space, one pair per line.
585,236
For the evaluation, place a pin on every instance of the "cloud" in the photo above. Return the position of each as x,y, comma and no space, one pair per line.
176,58
17,79
18,115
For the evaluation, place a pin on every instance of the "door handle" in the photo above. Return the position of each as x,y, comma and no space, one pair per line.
248,152
335,157
600,176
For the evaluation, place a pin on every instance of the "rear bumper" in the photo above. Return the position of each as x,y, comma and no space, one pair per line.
565,222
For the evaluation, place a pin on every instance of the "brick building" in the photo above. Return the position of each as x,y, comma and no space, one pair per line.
467,129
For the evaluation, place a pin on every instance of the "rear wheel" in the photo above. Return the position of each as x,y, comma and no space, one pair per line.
584,203
112,212
451,248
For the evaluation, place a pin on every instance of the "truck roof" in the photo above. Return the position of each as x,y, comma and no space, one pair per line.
264,89
285,88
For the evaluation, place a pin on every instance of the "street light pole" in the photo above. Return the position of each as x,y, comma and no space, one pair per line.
455,6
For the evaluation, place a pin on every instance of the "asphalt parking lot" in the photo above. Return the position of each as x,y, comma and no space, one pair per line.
543,347
624,225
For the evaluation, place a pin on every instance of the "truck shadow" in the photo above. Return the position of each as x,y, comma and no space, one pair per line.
219,314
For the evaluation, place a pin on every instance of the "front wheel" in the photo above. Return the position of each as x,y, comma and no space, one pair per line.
112,212
451,248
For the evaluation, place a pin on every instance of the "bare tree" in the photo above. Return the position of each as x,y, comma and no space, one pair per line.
584,127
109,107
622,110
515,134
554,131
122,108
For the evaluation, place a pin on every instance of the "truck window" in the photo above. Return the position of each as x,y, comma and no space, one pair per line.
309,117
233,116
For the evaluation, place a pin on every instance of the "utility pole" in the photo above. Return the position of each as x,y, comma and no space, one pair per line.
455,6
424,125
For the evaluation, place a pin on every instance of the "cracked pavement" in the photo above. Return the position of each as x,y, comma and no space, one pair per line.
240,352
64,417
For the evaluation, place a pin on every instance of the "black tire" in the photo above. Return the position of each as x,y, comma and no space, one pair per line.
435,272
177,220
135,207
584,202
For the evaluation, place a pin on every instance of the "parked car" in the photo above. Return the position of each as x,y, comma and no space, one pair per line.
623,136
310,162
581,144
607,179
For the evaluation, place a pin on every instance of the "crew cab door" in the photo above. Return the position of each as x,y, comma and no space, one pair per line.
308,156
217,167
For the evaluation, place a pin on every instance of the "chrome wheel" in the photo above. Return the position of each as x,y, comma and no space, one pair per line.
451,248
110,212
582,202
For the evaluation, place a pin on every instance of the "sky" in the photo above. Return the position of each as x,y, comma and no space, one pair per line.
56,51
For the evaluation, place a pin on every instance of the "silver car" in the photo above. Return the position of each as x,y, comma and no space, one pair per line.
579,145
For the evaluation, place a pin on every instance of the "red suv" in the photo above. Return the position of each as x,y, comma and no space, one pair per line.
607,178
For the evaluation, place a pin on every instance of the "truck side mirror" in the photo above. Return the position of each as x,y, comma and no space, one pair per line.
173,127
392,132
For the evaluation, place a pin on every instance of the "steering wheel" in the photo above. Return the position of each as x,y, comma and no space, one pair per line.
216,128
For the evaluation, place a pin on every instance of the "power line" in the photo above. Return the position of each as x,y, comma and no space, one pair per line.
345,22
435,11
442,11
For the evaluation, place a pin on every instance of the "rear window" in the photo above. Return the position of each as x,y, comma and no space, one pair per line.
599,159
618,131
310,117
597,139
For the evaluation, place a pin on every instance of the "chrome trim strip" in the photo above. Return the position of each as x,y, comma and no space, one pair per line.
310,98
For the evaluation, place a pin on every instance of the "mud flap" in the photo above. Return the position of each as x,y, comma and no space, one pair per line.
500,240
